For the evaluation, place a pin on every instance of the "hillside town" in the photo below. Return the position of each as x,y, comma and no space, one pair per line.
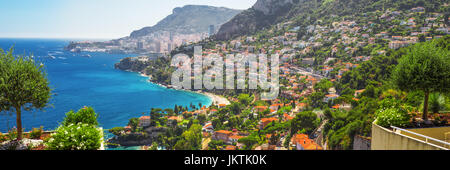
314,60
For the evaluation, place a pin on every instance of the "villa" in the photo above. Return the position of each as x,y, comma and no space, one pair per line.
302,142
144,121
265,121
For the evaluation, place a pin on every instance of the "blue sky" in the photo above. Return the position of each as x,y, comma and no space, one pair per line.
95,19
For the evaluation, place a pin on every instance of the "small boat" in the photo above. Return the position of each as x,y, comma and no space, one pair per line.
87,56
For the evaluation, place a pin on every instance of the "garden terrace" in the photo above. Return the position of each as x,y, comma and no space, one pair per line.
395,138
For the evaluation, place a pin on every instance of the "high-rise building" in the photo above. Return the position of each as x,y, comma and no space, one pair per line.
158,47
211,30
140,45
171,36
169,47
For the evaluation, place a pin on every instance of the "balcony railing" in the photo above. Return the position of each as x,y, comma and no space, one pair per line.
428,140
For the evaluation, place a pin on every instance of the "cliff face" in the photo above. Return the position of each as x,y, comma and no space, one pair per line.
190,19
138,139
262,14
269,7
131,64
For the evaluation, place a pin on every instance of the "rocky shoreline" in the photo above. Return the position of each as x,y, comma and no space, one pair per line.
137,139
138,64
215,99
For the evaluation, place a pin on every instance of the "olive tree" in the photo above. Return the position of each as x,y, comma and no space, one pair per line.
23,86
425,67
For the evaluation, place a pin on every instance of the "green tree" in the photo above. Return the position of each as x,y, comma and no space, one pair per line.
23,86
169,112
248,141
426,67
437,102
304,120
245,99
193,138
215,144
155,116
133,123
316,99
154,146
86,115
323,85
117,130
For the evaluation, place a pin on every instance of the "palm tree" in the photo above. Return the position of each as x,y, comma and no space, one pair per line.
437,102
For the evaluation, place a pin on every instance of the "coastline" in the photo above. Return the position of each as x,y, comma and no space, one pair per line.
215,99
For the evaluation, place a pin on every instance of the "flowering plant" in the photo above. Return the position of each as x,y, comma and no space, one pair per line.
75,137
392,117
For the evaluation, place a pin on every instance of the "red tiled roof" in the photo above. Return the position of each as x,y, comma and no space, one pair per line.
288,117
173,118
260,107
144,117
331,95
269,119
230,147
237,137
306,143
224,132
360,91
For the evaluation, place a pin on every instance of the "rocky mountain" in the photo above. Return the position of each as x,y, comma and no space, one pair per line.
262,14
190,19
266,13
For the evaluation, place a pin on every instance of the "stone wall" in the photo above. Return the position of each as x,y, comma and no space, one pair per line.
361,143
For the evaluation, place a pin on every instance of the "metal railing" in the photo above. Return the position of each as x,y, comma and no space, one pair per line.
439,143
447,137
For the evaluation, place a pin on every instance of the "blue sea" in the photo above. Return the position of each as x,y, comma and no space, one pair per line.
79,81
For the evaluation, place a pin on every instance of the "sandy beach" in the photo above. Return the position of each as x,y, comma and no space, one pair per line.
216,100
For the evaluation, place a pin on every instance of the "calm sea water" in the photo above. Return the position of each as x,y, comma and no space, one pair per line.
80,81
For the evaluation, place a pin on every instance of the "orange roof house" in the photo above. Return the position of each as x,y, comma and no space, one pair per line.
358,92
222,135
260,108
336,106
213,110
175,118
303,142
265,121
287,117
237,137
144,121
230,147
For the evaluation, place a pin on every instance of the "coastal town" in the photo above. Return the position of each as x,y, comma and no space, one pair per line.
314,61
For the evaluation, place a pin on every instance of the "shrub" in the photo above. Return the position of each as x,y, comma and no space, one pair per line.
75,137
2,137
85,115
117,130
12,134
36,133
392,117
